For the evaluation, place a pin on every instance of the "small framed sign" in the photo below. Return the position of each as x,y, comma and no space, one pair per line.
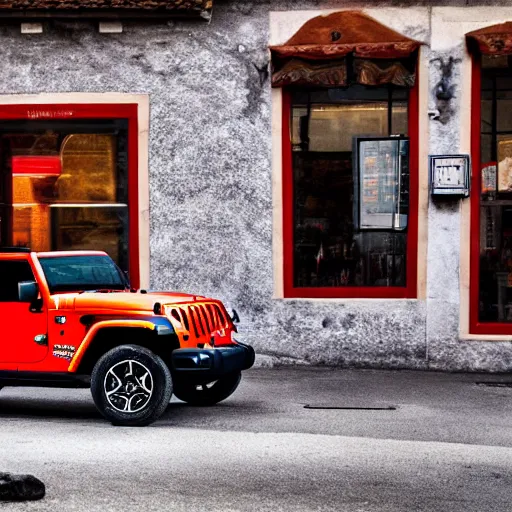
449,175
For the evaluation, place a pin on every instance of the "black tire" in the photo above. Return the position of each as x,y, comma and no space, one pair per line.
207,394
143,380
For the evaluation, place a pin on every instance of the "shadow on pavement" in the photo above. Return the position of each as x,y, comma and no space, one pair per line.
176,412
21,408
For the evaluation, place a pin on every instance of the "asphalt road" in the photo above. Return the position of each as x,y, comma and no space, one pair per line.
447,446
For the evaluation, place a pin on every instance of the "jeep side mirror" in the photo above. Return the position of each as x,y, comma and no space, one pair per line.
235,318
28,291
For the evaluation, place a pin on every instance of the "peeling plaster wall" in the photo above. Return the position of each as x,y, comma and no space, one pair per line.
211,180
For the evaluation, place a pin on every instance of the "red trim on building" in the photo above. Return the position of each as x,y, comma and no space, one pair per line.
475,326
133,198
63,111
414,196
288,199
373,292
97,111
474,263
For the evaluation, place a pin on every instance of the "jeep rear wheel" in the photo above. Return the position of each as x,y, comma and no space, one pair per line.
210,393
131,386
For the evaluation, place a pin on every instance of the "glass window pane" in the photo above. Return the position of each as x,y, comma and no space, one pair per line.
496,262
486,148
330,249
331,127
400,118
299,117
80,201
504,82
5,225
88,169
495,279
486,115
91,227
504,159
504,111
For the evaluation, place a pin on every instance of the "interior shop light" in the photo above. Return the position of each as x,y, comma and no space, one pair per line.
36,166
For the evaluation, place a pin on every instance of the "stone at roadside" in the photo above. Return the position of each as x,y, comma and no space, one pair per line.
20,487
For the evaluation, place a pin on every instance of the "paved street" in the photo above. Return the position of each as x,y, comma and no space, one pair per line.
446,446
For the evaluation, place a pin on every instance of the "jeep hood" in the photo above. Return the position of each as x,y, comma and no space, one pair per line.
120,301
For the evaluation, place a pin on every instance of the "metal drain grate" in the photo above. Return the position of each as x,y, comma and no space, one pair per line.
350,408
495,384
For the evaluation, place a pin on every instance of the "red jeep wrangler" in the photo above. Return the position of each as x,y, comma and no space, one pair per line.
70,319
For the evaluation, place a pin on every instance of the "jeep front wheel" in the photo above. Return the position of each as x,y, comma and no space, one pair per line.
131,386
209,393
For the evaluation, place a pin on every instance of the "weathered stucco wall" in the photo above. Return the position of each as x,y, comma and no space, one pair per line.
450,347
211,182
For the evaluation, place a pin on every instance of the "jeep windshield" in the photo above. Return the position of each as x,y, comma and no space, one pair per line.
82,273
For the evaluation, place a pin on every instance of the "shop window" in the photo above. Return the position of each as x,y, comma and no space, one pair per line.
350,201
350,186
493,197
491,186
70,184
350,192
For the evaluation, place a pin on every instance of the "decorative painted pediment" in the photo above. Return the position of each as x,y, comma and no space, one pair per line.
344,47
494,40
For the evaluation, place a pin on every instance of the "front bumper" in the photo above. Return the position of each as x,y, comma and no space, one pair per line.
200,363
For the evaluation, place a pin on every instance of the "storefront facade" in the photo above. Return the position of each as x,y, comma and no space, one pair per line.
278,158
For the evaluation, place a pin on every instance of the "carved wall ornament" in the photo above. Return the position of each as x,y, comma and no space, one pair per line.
493,40
444,90
345,47
301,72
376,72
263,72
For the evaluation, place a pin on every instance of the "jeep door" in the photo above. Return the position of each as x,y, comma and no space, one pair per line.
23,328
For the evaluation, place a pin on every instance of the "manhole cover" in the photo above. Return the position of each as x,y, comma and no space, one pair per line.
495,384
351,407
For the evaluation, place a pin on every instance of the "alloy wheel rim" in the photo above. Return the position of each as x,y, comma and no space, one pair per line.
128,386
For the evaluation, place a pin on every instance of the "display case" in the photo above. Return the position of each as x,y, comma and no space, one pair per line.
381,179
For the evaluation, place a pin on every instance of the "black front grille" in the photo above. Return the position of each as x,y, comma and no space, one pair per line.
201,320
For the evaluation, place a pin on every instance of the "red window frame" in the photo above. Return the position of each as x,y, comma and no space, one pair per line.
362,292
475,326
66,111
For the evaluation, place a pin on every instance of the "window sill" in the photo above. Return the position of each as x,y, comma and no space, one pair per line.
489,331
350,293
485,337
347,299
